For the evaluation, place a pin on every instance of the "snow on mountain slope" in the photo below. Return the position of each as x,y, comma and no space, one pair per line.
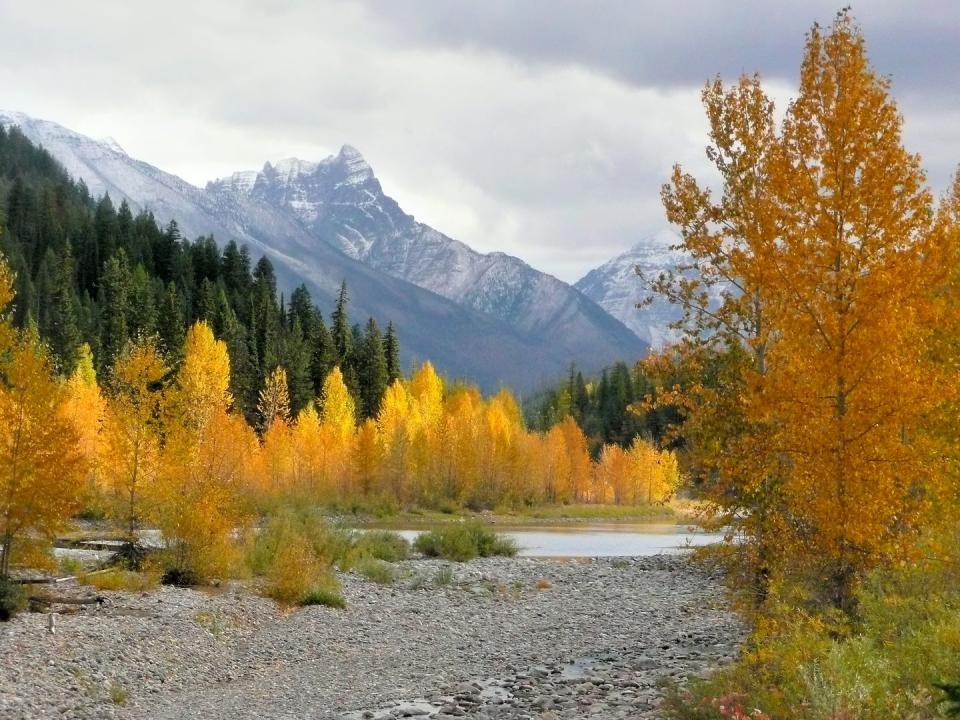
459,337
617,288
341,202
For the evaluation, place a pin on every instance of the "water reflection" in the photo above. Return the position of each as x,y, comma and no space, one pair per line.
601,540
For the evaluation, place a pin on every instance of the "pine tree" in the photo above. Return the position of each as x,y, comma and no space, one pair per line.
391,348
64,331
296,360
371,370
341,330
171,323
115,298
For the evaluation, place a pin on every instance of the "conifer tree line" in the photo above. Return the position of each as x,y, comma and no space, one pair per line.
610,409
87,272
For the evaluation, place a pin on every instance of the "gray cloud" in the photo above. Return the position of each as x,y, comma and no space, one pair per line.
541,128
665,44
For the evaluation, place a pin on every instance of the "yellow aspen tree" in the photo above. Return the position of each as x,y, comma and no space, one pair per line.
200,498
557,488
612,475
850,381
41,466
580,471
307,456
426,389
274,401
130,447
458,465
723,289
367,458
85,407
396,424
276,458
426,393
338,426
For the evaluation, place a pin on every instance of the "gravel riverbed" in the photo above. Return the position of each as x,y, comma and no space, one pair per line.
492,638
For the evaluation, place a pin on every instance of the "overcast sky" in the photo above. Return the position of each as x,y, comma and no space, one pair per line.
539,128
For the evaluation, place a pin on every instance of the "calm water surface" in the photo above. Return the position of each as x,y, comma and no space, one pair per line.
601,540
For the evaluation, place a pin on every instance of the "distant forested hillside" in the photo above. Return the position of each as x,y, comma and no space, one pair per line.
89,272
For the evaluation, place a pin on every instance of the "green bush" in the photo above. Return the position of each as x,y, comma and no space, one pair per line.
381,545
464,541
378,571
324,596
13,599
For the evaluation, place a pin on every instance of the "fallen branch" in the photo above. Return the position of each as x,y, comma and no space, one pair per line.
55,581
53,600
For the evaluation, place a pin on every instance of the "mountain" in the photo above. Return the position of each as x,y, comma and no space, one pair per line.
458,335
340,201
617,288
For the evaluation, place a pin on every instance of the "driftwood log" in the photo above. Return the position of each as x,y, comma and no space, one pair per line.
55,581
47,600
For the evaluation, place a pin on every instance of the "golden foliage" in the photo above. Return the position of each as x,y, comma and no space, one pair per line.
440,448
813,433
41,466
130,444
207,452
274,401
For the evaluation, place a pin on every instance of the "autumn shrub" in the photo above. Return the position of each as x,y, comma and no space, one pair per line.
464,541
378,571
887,663
293,572
35,554
13,599
294,552
293,524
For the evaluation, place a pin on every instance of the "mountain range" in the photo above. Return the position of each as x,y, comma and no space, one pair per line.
618,286
489,317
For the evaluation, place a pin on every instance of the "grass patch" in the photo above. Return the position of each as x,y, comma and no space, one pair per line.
600,512
119,580
70,566
464,541
443,576
117,693
328,597
378,571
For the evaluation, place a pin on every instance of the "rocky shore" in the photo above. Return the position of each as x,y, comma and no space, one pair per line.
493,638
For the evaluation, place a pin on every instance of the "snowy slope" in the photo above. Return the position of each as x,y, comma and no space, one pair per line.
341,202
618,288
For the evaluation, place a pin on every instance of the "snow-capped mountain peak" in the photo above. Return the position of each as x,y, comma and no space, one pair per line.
618,286
290,168
340,201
